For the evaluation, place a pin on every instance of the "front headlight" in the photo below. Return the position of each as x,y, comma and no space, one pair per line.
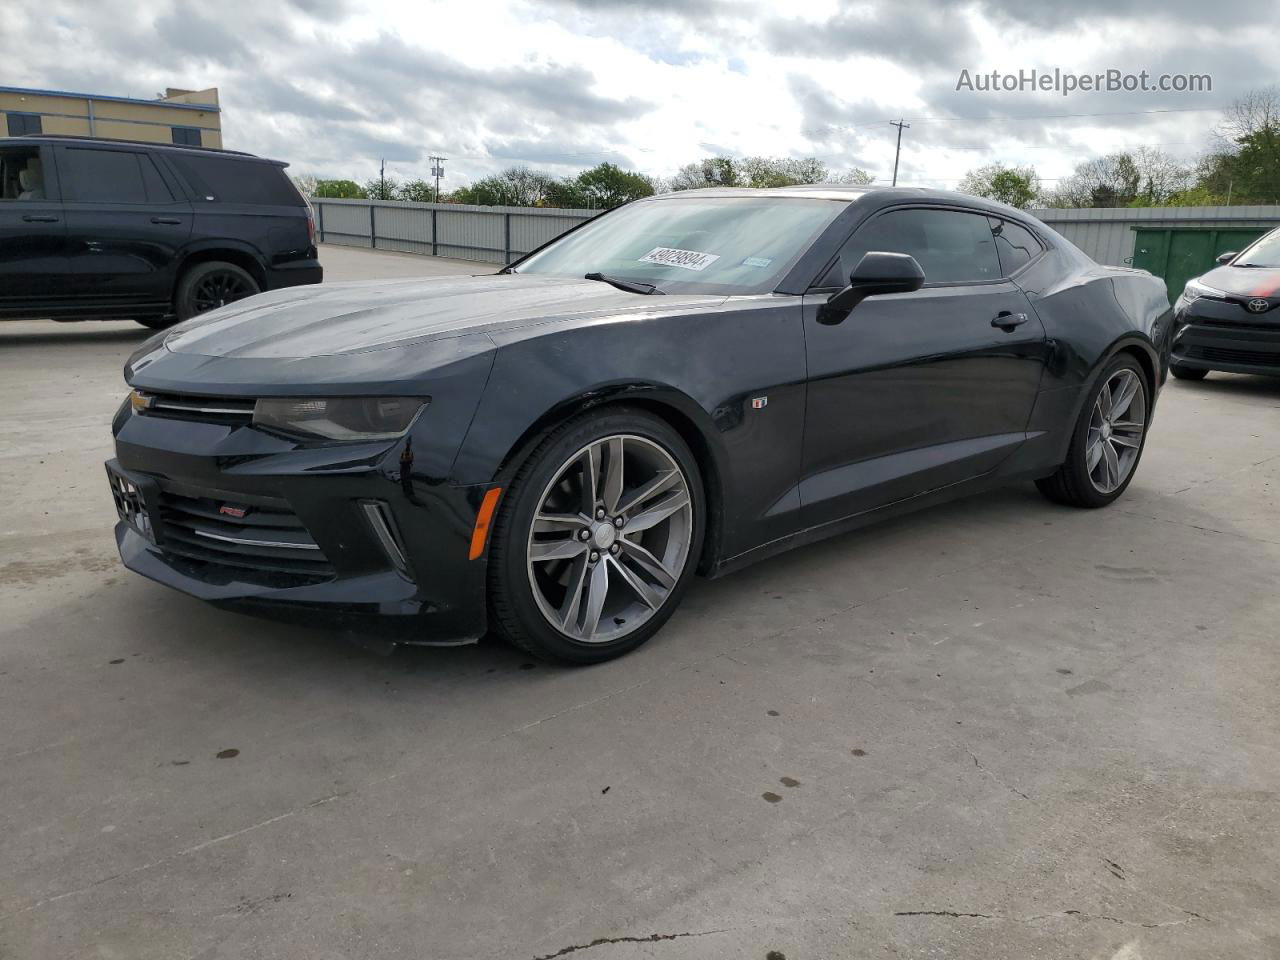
340,418
1194,290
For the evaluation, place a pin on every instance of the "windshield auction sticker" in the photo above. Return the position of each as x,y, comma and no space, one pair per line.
684,259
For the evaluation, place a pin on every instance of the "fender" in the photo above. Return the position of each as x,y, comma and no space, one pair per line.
668,402
205,245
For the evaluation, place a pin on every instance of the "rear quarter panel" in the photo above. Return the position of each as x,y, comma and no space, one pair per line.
1090,312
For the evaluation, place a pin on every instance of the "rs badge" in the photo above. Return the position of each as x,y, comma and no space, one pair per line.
759,403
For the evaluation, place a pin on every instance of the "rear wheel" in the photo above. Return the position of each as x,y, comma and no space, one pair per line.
597,538
207,286
1108,440
1187,373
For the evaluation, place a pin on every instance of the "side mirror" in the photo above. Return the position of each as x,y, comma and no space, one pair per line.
1225,258
877,272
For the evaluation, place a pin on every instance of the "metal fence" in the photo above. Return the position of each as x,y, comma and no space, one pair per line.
502,234
1107,233
490,234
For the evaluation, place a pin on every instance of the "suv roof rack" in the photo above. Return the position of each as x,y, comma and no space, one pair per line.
135,143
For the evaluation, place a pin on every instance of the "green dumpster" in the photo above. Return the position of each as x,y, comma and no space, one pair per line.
1179,253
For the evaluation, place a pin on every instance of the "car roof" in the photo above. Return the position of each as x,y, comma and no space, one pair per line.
868,194
51,138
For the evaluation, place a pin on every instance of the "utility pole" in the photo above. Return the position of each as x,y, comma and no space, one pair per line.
437,171
898,152
382,179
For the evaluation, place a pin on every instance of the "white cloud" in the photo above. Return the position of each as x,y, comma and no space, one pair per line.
334,85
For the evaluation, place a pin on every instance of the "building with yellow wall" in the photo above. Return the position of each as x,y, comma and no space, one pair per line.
188,117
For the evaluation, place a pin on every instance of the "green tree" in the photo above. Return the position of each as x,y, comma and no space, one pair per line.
711,172
513,187
417,191
1016,186
1246,167
761,172
601,188
340,190
382,188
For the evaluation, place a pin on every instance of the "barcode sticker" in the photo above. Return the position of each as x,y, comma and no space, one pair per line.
684,259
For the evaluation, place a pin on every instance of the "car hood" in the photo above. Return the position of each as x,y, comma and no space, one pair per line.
1245,282
344,318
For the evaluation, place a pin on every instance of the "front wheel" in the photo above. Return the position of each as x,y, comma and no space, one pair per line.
1187,373
597,538
207,286
1107,442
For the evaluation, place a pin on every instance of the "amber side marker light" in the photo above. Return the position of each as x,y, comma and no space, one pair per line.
481,532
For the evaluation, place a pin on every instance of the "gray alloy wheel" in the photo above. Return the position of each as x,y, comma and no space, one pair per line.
611,538
1116,429
1107,440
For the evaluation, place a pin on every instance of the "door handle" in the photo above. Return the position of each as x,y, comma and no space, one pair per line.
1006,321
39,218
169,220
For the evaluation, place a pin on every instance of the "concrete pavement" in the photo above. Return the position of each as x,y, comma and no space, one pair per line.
997,729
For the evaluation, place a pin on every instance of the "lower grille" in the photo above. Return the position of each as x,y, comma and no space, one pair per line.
255,538
1259,358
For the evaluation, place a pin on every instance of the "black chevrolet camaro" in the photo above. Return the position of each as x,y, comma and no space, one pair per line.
686,384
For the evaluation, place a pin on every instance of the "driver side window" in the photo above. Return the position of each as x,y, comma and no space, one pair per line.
950,246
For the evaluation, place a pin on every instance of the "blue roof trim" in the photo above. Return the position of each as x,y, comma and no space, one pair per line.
206,107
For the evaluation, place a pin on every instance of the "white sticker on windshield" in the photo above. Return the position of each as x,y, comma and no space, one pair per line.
757,261
684,259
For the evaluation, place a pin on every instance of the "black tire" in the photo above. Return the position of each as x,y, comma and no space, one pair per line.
514,610
1071,483
156,323
209,285
1188,373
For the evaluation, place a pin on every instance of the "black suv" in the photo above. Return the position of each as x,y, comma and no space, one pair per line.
96,229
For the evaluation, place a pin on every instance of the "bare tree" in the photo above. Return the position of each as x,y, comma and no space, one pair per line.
1143,177
306,183
854,176
1256,112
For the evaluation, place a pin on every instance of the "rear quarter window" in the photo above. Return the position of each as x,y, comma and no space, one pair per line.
235,180
1016,245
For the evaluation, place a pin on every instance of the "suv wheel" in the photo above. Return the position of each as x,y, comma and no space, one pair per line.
597,538
207,286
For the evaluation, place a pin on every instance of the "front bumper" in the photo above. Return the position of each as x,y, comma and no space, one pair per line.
1221,335
250,521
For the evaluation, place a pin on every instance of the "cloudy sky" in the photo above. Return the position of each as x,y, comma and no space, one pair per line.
334,85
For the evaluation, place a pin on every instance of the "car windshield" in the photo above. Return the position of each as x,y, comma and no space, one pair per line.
1264,253
725,245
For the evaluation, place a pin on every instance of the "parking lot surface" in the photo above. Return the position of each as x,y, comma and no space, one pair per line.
996,729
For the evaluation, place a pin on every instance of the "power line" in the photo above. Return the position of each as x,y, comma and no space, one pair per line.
1041,116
